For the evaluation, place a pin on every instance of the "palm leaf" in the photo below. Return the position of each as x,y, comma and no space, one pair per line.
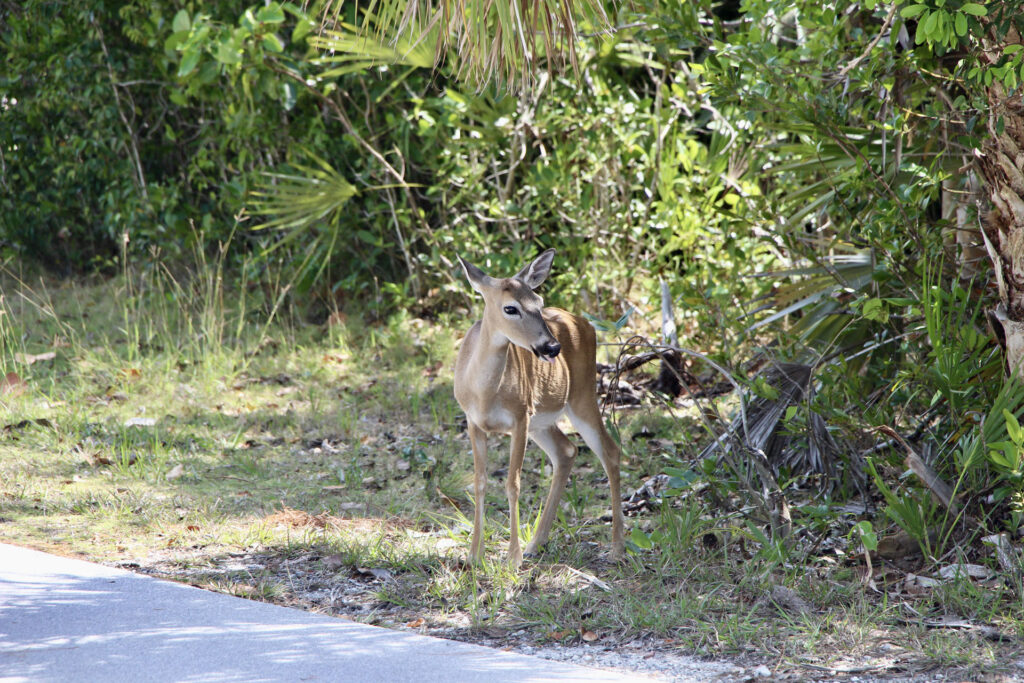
813,293
486,40
353,51
817,452
298,201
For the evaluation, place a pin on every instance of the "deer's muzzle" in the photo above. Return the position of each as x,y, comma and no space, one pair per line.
547,351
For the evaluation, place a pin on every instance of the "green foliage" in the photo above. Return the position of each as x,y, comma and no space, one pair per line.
234,110
123,126
812,146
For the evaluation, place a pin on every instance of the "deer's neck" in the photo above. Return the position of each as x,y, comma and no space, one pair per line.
493,356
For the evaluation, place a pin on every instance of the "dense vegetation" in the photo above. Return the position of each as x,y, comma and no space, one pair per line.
831,187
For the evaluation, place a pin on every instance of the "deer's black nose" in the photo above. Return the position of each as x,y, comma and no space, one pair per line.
551,349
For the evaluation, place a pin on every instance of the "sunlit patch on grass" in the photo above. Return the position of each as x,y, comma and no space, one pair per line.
327,468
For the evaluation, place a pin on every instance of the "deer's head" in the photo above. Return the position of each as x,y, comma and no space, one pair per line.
513,309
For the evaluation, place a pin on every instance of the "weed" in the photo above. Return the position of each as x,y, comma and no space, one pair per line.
353,428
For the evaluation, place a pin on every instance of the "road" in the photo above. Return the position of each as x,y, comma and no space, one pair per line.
63,619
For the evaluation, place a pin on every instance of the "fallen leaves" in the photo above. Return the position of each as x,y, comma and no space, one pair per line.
129,374
298,519
333,563
12,384
29,359
584,633
22,424
788,600
375,573
965,570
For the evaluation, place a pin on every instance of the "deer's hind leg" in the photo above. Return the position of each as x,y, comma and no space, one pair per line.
586,418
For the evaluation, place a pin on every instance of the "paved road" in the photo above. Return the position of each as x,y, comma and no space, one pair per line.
68,620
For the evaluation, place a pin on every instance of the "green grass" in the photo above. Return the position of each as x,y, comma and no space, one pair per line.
326,467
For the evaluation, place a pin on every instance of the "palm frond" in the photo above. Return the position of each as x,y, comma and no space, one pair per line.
352,51
815,451
486,41
297,201
813,294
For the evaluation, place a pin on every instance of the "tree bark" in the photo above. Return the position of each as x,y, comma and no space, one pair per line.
1002,167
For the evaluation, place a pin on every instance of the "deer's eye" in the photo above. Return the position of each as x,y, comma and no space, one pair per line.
511,310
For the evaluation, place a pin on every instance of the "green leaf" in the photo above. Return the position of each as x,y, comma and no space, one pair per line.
621,322
271,14
247,20
975,9
188,62
598,324
960,24
640,539
764,390
867,535
302,29
227,53
208,72
939,27
181,22
173,41
1013,427
272,43
1012,49
923,29
289,93
875,309
1000,459
912,11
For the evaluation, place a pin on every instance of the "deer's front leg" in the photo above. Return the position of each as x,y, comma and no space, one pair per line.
515,468
478,439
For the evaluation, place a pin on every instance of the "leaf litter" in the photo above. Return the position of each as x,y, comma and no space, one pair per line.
313,569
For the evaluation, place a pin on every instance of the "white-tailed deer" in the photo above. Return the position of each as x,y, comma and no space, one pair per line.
519,370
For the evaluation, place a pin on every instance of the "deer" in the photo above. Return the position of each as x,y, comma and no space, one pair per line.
520,368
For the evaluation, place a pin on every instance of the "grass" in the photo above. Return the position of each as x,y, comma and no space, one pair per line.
325,467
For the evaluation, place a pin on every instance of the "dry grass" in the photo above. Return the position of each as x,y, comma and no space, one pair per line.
325,468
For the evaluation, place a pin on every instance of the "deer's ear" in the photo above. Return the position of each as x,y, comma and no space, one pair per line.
534,274
478,279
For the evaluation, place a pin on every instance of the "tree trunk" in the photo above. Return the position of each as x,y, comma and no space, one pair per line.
1002,168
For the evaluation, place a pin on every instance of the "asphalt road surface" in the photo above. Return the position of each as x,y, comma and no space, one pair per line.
67,620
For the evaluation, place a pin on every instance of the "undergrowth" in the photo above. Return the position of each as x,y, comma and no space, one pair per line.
196,428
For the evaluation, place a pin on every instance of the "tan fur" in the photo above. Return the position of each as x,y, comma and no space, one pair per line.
504,388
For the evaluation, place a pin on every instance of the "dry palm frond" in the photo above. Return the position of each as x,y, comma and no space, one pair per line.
818,453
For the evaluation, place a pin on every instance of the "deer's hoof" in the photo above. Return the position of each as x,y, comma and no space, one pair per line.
534,551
